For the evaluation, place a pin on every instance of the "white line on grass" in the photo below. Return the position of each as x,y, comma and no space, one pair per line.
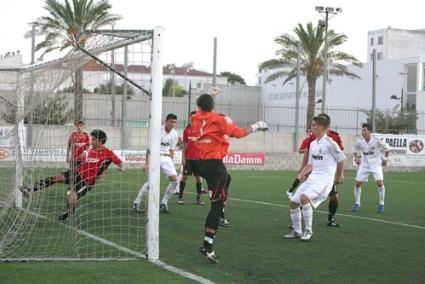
324,212
159,263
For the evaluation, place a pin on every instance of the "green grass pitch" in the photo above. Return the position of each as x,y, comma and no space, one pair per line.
368,248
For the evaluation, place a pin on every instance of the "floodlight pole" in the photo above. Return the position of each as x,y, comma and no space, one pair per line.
374,90
297,97
325,64
31,95
154,144
326,11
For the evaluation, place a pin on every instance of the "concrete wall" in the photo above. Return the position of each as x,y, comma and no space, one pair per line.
269,142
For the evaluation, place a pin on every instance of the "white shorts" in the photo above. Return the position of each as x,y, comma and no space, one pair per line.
364,173
167,166
316,189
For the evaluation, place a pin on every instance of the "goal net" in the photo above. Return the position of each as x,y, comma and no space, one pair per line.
120,76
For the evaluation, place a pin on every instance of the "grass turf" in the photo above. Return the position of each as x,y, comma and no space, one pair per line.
253,250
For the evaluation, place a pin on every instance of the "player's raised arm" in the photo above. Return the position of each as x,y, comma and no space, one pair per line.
234,131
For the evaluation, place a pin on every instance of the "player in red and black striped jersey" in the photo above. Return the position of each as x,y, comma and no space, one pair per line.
333,195
190,153
82,179
78,143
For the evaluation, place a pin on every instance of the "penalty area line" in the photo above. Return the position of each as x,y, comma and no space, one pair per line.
159,263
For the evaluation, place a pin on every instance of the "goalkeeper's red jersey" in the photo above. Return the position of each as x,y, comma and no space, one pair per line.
191,151
96,163
212,131
77,143
305,145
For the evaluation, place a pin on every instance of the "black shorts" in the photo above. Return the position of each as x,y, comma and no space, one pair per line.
218,180
80,186
333,191
190,168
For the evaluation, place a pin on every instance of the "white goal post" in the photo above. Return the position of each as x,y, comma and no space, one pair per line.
105,226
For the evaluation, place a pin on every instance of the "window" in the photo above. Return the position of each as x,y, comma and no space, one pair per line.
380,40
371,41
411,78
380,56
371,57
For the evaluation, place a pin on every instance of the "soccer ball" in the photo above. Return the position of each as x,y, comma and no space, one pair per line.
214,91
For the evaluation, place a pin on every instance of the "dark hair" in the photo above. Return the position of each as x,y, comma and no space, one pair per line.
322,120
99,135
171,116
367,125
79,122
325,115
205,102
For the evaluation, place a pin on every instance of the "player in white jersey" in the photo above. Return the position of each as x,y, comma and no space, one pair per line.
370,163
325,167
169,139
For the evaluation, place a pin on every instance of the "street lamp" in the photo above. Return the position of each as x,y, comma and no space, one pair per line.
325,11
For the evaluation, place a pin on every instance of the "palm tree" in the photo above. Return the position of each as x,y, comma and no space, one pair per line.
63,28
312,41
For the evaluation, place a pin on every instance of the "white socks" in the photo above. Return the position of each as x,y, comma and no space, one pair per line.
357,193
296,219
381,193
143,190
171,189
308,216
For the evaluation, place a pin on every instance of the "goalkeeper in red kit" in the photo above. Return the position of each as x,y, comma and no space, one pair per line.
212,131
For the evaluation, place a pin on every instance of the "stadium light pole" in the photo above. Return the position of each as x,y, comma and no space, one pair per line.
297,97
325,11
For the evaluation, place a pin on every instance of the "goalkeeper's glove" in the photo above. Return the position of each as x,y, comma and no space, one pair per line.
214,91
260,125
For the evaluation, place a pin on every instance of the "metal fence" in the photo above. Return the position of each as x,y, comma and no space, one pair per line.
133,111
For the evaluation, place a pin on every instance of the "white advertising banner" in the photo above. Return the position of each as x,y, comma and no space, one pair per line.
7,137
406,150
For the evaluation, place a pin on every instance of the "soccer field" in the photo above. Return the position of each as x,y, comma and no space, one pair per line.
369,247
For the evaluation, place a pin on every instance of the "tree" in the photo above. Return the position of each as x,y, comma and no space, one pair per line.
167,90
233,78
51,111
402,121
312,40
63,28
107,89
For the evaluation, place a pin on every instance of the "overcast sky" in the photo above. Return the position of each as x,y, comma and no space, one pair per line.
245,29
